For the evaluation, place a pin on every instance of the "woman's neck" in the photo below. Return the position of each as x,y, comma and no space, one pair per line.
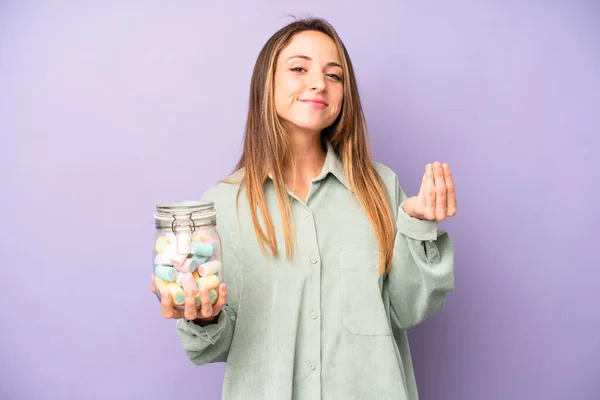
308,155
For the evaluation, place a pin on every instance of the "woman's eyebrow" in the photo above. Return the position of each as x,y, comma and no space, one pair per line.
329,64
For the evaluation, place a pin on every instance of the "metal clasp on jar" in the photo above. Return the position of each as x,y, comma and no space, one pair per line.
183,238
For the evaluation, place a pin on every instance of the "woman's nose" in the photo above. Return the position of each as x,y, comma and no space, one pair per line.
317,84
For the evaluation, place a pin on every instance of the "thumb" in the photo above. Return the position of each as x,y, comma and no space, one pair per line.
410,206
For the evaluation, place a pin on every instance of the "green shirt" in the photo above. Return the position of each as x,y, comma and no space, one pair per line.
323,325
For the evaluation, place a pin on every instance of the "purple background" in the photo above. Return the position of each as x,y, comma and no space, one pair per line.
106,110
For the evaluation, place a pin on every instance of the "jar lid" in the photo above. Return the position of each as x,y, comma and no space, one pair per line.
193,211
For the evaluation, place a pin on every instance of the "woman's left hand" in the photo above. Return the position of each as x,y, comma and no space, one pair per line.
437,198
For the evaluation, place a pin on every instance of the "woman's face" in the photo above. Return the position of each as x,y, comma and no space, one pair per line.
309,82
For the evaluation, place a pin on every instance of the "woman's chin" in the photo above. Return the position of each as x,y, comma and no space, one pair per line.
309,127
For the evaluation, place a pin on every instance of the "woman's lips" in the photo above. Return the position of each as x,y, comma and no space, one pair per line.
316,104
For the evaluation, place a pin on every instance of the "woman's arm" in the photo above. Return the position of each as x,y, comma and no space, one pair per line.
422,272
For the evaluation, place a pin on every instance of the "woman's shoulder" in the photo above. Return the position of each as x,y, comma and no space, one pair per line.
386,173
225,191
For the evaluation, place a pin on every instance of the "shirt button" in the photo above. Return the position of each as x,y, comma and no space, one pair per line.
313,315
306,214
313,260
312,366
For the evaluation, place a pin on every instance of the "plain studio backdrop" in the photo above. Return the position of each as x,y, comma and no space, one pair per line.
109,108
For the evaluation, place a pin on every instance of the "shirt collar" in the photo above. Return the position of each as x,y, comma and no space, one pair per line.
332,165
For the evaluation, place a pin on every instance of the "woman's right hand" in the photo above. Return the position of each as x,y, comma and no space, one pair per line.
203,316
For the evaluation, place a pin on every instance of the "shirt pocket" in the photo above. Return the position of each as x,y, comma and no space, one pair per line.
363,312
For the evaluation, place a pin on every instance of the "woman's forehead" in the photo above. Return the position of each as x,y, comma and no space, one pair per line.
311,44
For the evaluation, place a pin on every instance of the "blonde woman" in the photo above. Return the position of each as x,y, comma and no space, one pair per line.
326,261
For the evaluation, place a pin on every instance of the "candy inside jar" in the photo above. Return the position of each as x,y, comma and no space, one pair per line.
187,251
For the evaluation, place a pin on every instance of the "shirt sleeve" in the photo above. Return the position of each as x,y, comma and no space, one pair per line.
206,344
422,271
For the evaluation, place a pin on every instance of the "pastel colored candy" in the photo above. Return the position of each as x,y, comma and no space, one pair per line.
214,295
158,259
187,281
166,273
194,264
189,265
170,237
162,259
160,284
172,255
202,249
199,259
160,244
208,282
209,268
176,293
185,263
215,255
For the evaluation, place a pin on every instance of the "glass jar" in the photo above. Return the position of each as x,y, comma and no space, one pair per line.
187,251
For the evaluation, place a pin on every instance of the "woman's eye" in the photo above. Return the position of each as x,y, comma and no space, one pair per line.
336,77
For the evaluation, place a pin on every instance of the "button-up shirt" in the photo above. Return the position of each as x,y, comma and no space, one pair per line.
324,324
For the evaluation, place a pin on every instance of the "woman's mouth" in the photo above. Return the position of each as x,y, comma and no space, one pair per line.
315,103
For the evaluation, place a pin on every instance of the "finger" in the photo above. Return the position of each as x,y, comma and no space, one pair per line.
421,196
206,311
152,284
222,299
190,311
440,191
167,305
450,191
429,194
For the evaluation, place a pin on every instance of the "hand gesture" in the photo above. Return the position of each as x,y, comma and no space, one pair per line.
204,315
437,198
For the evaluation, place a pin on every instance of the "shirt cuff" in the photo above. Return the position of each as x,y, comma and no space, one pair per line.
415,228
209,333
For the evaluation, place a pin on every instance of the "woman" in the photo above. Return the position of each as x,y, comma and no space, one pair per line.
326,261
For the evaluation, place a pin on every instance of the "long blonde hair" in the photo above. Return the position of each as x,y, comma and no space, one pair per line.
267,150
